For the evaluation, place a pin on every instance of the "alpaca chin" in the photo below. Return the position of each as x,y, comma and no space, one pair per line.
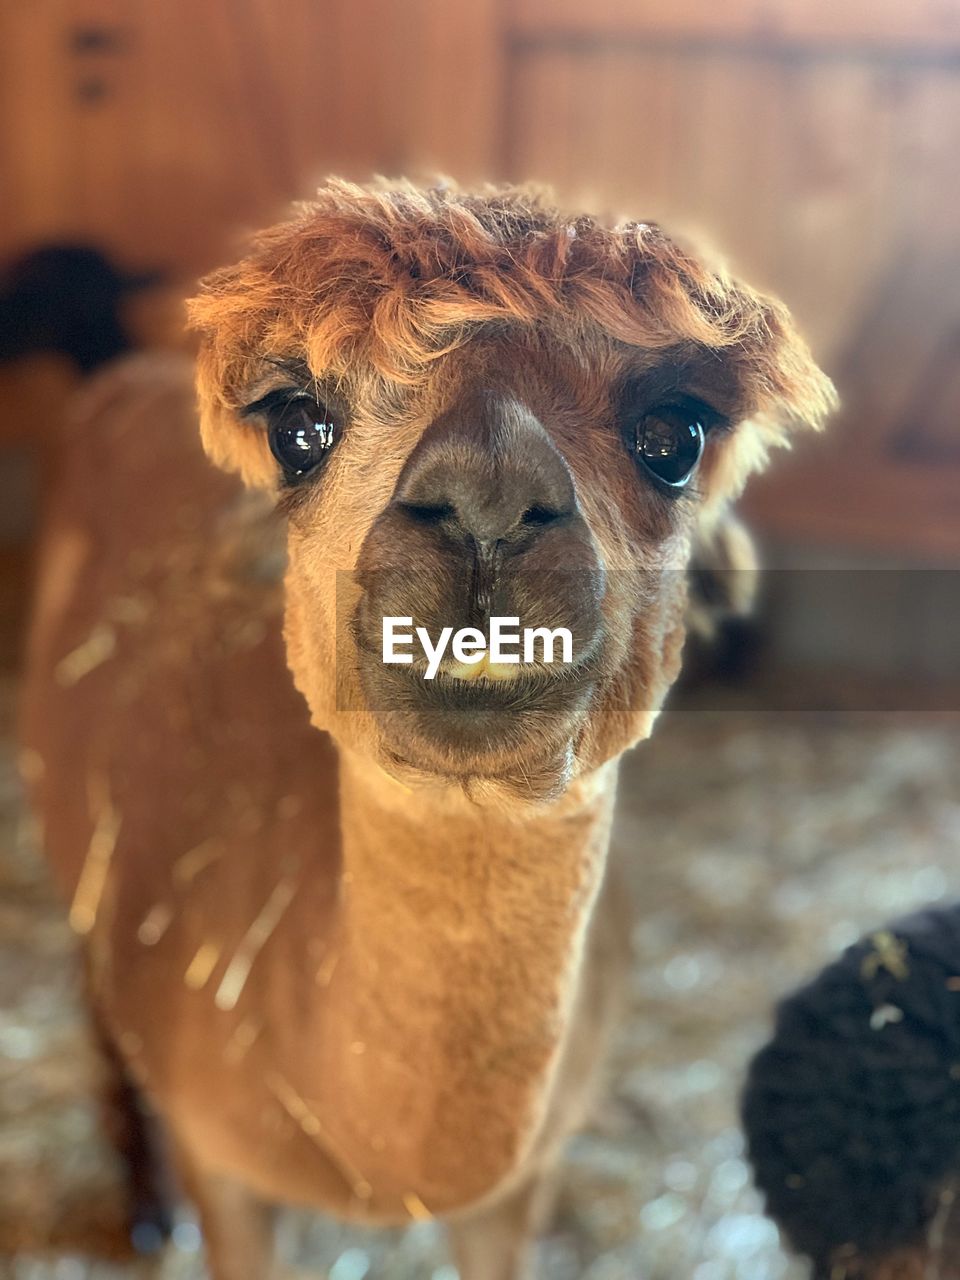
520,793
532,758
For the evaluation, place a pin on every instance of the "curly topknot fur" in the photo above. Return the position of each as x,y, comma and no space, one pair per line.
852,1110
394,277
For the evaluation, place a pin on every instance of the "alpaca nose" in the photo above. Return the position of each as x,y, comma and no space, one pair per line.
488,476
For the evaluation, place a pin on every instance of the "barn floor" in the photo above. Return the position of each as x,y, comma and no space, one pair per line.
760,844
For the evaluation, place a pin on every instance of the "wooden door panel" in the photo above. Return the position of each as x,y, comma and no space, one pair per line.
159,129
829,176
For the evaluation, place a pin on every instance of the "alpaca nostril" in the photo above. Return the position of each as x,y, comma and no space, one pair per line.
479,524
486,473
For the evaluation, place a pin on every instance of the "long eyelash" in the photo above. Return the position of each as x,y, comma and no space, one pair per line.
280,397
711,419
296,370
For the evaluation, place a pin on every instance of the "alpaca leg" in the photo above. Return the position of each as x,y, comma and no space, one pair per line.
494,1244
136,1136
237,1225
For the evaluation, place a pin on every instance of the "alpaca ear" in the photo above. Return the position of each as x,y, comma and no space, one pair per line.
786,392
722,576
236,314
228,442
782,392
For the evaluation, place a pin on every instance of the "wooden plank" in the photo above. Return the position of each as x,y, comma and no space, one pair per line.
899,373
447,70
208,118
547,18
926,27
37,152
831,183
910,512
544,108
787,169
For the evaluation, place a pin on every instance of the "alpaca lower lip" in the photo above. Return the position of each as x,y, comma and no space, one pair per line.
482,727
473,735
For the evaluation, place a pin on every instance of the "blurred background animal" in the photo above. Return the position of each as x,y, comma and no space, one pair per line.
852,1109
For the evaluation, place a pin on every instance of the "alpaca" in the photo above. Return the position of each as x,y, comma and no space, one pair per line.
351,931
852,1110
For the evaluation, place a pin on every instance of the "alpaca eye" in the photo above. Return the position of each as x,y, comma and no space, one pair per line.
669,443
301,432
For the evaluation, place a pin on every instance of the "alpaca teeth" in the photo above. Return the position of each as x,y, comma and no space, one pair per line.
502,670
484,669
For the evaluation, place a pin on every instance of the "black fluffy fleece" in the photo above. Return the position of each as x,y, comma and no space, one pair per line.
853,1117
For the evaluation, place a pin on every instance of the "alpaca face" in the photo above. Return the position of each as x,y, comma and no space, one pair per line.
471,408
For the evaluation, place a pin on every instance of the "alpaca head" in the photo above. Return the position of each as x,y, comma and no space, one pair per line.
473,406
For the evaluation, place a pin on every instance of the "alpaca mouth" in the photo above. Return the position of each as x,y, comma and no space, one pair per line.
490,724
500,695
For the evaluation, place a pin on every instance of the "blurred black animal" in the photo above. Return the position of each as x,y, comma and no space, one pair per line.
66,298
852,1110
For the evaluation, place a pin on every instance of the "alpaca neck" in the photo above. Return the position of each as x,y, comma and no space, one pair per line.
458,948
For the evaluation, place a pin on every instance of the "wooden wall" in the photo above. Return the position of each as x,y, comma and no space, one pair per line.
818,144
161,127
816,141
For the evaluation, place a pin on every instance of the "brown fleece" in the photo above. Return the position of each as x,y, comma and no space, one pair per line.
357,967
